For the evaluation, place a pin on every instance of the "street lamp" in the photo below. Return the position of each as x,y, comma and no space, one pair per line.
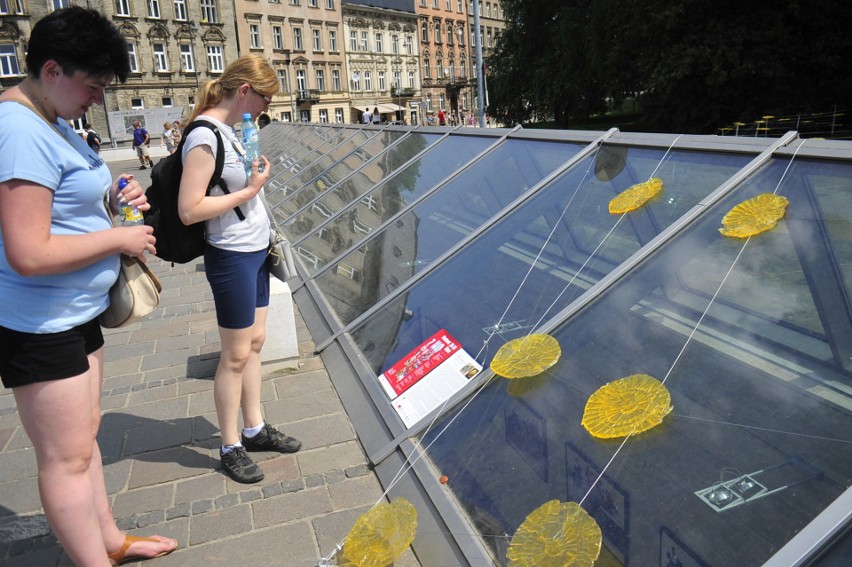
480,93
287,62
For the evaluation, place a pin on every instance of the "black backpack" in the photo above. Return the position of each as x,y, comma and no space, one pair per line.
177,242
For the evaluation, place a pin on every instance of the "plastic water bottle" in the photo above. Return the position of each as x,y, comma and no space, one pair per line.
129,214
251,145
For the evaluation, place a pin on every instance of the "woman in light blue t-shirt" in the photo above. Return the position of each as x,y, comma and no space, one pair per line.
61,256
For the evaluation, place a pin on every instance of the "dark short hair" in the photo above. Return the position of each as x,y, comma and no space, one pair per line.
79,40
86,126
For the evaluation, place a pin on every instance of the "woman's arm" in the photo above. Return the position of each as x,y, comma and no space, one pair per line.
25,219
194,205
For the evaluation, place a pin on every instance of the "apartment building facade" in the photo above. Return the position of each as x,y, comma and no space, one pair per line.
443,38
382,59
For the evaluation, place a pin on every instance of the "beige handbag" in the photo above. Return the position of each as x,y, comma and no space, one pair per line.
134,295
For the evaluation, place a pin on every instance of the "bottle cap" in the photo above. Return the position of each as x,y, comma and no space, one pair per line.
122,183
246,116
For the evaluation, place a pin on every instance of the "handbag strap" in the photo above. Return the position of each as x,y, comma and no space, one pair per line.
272,222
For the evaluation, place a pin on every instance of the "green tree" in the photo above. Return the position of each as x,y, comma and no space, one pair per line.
694,65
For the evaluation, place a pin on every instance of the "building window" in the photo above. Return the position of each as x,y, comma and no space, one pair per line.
365,42
317,39
461,35
332,41
488,40
209,12
137,103
254,36
329,4
449,5
397,78
427,69
449,34
301,81
428,102
379,46
356,81
277,37
282,80
294,2
154,9
442,101
58,4
462,69
122,7
438,32
180,10
395,43
161,60
215,61
131,54
411,80
8,61
353,40
368,81
321,80
297,39
382,85
409,45
347,271
440,62
312,3
17,7
167,101
459,8
338,115
335,80
424,33
187,61
323,116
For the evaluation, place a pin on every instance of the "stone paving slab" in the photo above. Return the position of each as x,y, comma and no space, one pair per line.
160,442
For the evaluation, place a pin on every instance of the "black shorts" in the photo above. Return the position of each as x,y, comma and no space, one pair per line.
27,358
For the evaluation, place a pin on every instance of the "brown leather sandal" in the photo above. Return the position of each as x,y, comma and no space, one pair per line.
121,555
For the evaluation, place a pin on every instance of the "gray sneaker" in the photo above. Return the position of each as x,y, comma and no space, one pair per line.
270,439
239,466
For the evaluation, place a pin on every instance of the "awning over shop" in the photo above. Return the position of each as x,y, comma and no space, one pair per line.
389,107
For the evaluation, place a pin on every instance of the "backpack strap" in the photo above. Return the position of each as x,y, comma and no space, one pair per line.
216,179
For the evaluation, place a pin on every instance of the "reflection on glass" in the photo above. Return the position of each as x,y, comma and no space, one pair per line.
758,442
291,166
352,188
329,172
551,249
459,207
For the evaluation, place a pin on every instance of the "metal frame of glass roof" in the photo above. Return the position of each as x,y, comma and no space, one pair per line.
451,530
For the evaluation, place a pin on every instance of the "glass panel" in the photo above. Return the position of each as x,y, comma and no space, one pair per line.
367,176
757,442
341,162
434,225
583,240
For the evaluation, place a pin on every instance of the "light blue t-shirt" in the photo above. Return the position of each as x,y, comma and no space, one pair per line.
31,150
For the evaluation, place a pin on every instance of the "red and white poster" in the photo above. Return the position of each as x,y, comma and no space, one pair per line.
428,376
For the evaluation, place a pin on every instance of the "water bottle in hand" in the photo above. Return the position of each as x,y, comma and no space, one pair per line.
251,145
129,214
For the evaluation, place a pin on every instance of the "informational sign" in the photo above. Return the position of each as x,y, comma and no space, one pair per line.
152,119
428,376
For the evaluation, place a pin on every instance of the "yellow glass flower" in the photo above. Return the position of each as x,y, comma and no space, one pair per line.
556,534
635,196
381,535
754,216
526,356
626,406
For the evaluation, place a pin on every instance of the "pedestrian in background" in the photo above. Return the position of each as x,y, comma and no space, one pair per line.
235,257
92,138
60,258
141,141
167,139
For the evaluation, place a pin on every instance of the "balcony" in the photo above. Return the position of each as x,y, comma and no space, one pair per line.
311,96
406,92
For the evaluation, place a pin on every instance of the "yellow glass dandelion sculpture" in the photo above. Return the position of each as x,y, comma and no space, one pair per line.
635,196
526,356
754,216
556,534
381,535
626,406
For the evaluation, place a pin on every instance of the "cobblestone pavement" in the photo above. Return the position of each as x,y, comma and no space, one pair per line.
160,442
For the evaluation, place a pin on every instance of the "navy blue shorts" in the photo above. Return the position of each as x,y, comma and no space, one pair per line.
240,284
27,358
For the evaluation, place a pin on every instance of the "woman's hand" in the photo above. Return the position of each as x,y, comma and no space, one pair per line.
136,240
257,178
133,193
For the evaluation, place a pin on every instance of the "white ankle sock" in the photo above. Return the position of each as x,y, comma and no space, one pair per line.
249,433
228,448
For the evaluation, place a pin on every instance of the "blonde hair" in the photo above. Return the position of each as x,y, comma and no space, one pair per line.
167,125
251,69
